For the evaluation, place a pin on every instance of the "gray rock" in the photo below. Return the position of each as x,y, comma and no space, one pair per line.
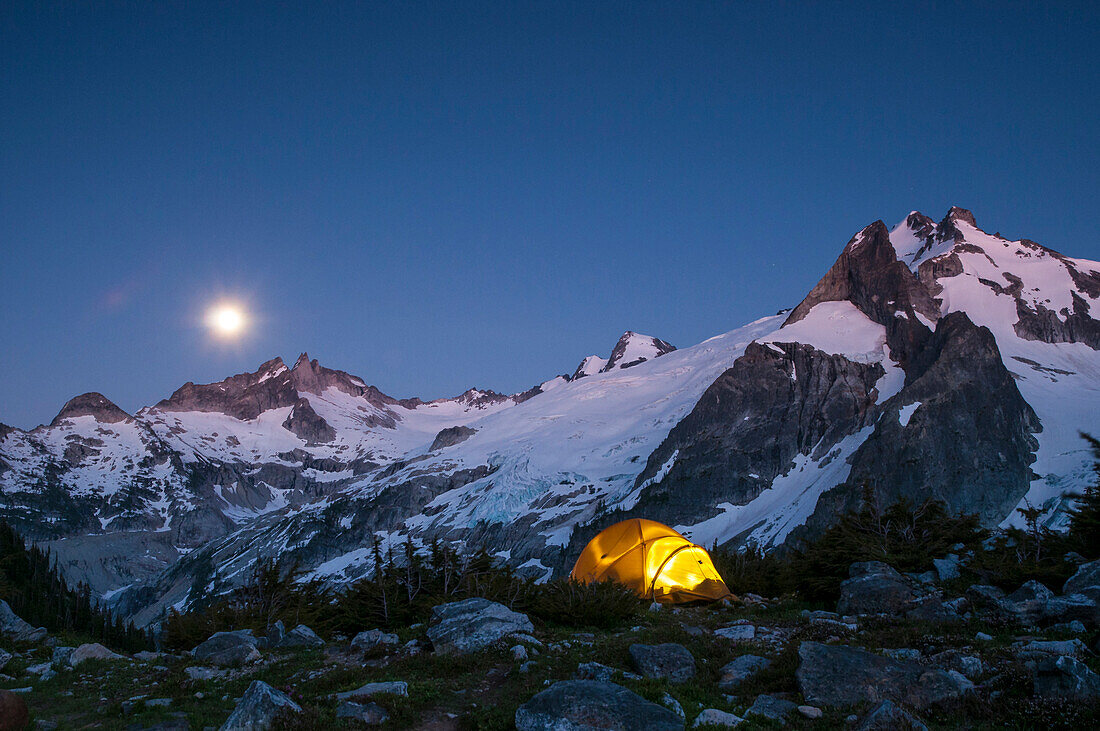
258,707
669,661
275,633
61,656
1028,603
1087,575
5,658
887,716
591,705
201,673
371,714
947,568
715,717
1067,677
301,636
875,588
903,653
225,649
1039,648
394,687
741,669
13,627
836,675
737,633
772,708
92,651
970,666
982,637
372,638
598,671
811,712
519,653
473,624
1072,608
673,705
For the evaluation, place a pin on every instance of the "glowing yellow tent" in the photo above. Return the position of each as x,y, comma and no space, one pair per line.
653,560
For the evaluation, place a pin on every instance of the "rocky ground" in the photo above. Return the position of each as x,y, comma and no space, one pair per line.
897,653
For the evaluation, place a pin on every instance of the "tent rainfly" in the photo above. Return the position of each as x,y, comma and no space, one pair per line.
653,560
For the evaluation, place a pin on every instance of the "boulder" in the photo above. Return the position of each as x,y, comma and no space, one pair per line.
1044,648
741,669
1066,677
947,568
92,651
970,666
737,633
300,636
13,712
598,671
1072,608
1087,574
395,687
13,627
875,588
772,708
227,648
836,675
258,708
887,716
583,705
371,714
201,673
670,661
372,638
276,633
62,656
5,658
473,624
1027,604
715,717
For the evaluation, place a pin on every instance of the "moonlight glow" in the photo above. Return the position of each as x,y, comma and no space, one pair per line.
226,320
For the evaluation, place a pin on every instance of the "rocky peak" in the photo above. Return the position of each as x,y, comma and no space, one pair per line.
91,404
634,348
921,225
948,228
869,275
590,366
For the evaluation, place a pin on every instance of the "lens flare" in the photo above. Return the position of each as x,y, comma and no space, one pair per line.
226,320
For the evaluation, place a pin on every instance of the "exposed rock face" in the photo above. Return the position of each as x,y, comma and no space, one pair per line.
16,628
969,443
473,624
591,365
752,422
835,675
451,436
91,404
870,276
591,705
1087,574
634,348
305,423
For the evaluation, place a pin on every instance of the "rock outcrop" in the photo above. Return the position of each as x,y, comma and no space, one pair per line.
588,705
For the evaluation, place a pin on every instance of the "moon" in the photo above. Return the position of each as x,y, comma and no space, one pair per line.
226,320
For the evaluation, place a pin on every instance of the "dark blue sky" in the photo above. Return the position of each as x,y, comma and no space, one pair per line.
437,196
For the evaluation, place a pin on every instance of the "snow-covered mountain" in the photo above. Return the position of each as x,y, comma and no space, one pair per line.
932,359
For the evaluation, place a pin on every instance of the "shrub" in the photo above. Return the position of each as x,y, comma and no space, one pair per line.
753,571
602,604
902,536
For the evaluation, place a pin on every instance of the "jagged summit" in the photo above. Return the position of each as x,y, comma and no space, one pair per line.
91,404
634,348
589,366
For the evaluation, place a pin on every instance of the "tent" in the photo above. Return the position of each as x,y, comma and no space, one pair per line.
653,560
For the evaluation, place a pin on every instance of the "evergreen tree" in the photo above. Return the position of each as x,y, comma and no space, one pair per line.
1084,525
